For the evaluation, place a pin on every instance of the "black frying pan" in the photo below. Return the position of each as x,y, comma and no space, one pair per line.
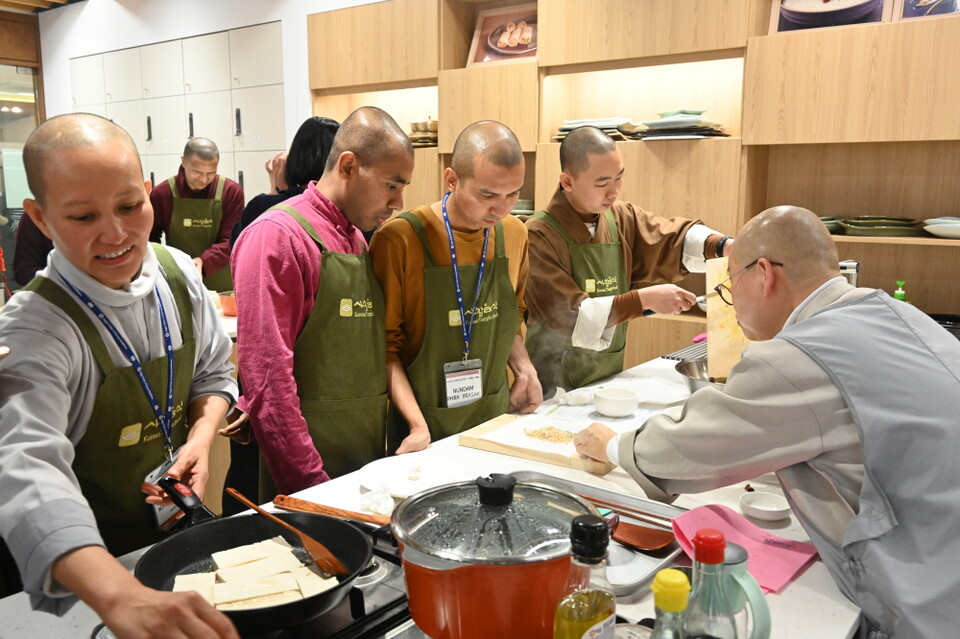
189,551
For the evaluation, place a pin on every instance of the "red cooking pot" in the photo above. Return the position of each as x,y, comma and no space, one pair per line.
486,558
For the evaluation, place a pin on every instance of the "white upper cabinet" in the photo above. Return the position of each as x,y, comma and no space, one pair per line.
162,69
210,115
258,118
256,56
206,63
86,81
130,117
166,125
122,78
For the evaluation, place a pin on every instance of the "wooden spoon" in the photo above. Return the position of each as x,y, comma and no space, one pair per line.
641,537
324,559
304,506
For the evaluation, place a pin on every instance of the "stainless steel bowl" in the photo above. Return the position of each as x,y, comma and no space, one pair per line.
694,373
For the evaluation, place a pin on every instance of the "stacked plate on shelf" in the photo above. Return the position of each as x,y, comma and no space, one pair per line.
882,226
948,227
684,124
607,125
523,209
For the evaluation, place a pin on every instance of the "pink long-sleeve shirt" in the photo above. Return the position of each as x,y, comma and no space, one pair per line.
276,270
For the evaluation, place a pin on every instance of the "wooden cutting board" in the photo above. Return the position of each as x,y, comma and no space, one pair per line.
478,437
725,340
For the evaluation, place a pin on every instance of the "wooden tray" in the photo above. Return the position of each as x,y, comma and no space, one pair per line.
477,438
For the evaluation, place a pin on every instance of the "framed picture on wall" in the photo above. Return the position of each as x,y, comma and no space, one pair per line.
794,15
908,9
505,34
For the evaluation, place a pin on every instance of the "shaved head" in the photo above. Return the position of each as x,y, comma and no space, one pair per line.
371,135
794,236
68,131
202,148
579,145
490,140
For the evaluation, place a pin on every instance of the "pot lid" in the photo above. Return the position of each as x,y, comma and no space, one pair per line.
494,519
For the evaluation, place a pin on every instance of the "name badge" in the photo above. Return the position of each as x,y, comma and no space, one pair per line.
166,516
464,382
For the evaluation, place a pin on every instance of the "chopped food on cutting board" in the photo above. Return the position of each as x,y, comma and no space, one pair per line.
266,573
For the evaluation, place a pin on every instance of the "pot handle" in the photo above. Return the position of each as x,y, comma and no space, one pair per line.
759,609
186,500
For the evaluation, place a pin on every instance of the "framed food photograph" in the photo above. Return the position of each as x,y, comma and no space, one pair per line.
909,9
503,35
794,15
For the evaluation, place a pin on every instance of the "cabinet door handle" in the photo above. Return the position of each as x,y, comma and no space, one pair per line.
190,124
239,127
240,178
149,130
152,180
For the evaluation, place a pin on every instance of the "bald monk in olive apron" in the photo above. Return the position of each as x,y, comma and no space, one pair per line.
453,274
197,209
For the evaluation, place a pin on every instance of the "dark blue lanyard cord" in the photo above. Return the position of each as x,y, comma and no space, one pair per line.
165,421
466,327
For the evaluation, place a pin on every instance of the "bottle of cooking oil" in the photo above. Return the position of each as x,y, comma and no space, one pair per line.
589,608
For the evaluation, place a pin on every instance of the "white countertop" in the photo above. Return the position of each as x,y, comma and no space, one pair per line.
810,606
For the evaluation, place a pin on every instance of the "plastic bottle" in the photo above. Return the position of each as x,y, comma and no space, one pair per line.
708,614
670,591
589,608
900,294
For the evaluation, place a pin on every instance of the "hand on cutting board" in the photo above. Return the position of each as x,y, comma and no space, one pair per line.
666,299
592,441
130,609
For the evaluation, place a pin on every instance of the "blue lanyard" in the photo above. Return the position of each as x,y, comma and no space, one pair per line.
466,327
165,421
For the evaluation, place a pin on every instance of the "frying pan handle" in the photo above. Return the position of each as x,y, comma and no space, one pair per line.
186,500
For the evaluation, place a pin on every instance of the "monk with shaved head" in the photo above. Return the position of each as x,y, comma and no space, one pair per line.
851,398
597,262
453,274
119,374
310,330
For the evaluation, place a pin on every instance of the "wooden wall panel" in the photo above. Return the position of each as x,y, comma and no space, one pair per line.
508,93
653,336
393,41
865,83
686,178
19,38
577,31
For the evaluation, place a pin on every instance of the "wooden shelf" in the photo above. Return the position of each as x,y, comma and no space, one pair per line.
578,31
405,105
865,83
898,241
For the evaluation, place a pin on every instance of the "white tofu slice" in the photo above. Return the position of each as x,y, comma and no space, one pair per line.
260,602
265,567
250,552
311,583
239,590
201,582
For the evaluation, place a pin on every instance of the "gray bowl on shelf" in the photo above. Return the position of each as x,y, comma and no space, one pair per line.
694,373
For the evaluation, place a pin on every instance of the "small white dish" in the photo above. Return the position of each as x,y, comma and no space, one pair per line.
941,220
615,402
949,231
766,506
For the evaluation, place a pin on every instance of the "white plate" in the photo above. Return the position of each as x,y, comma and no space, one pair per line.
951,231
405,475
764,505
941,220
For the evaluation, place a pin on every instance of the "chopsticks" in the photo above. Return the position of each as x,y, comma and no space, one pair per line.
633,513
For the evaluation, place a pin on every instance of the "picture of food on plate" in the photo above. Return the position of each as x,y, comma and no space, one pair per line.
922,8
506,34
812,14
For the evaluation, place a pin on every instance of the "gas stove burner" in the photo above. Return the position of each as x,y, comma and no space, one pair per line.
373,573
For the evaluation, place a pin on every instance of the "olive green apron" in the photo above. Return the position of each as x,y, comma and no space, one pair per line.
123,442
599,271
194,226
339,361
495,327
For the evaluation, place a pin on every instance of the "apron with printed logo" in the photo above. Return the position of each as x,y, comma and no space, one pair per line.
194,226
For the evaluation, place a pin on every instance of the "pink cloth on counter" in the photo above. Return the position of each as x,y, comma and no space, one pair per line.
276,272
773,561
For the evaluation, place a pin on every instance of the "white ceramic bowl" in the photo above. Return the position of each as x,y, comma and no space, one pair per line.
766,506
615,402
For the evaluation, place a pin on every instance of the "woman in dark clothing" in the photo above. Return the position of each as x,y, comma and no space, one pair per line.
302,165
289,176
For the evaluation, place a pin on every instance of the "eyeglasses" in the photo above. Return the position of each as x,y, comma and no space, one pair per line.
724,291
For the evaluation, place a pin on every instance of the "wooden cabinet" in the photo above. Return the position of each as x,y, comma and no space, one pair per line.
122,79
86,80
161,66
379,43
507,93
578,31
19,39
256,55
870,83
206,63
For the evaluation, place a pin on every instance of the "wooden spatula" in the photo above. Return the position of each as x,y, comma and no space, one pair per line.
325,560
304,506
641,537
